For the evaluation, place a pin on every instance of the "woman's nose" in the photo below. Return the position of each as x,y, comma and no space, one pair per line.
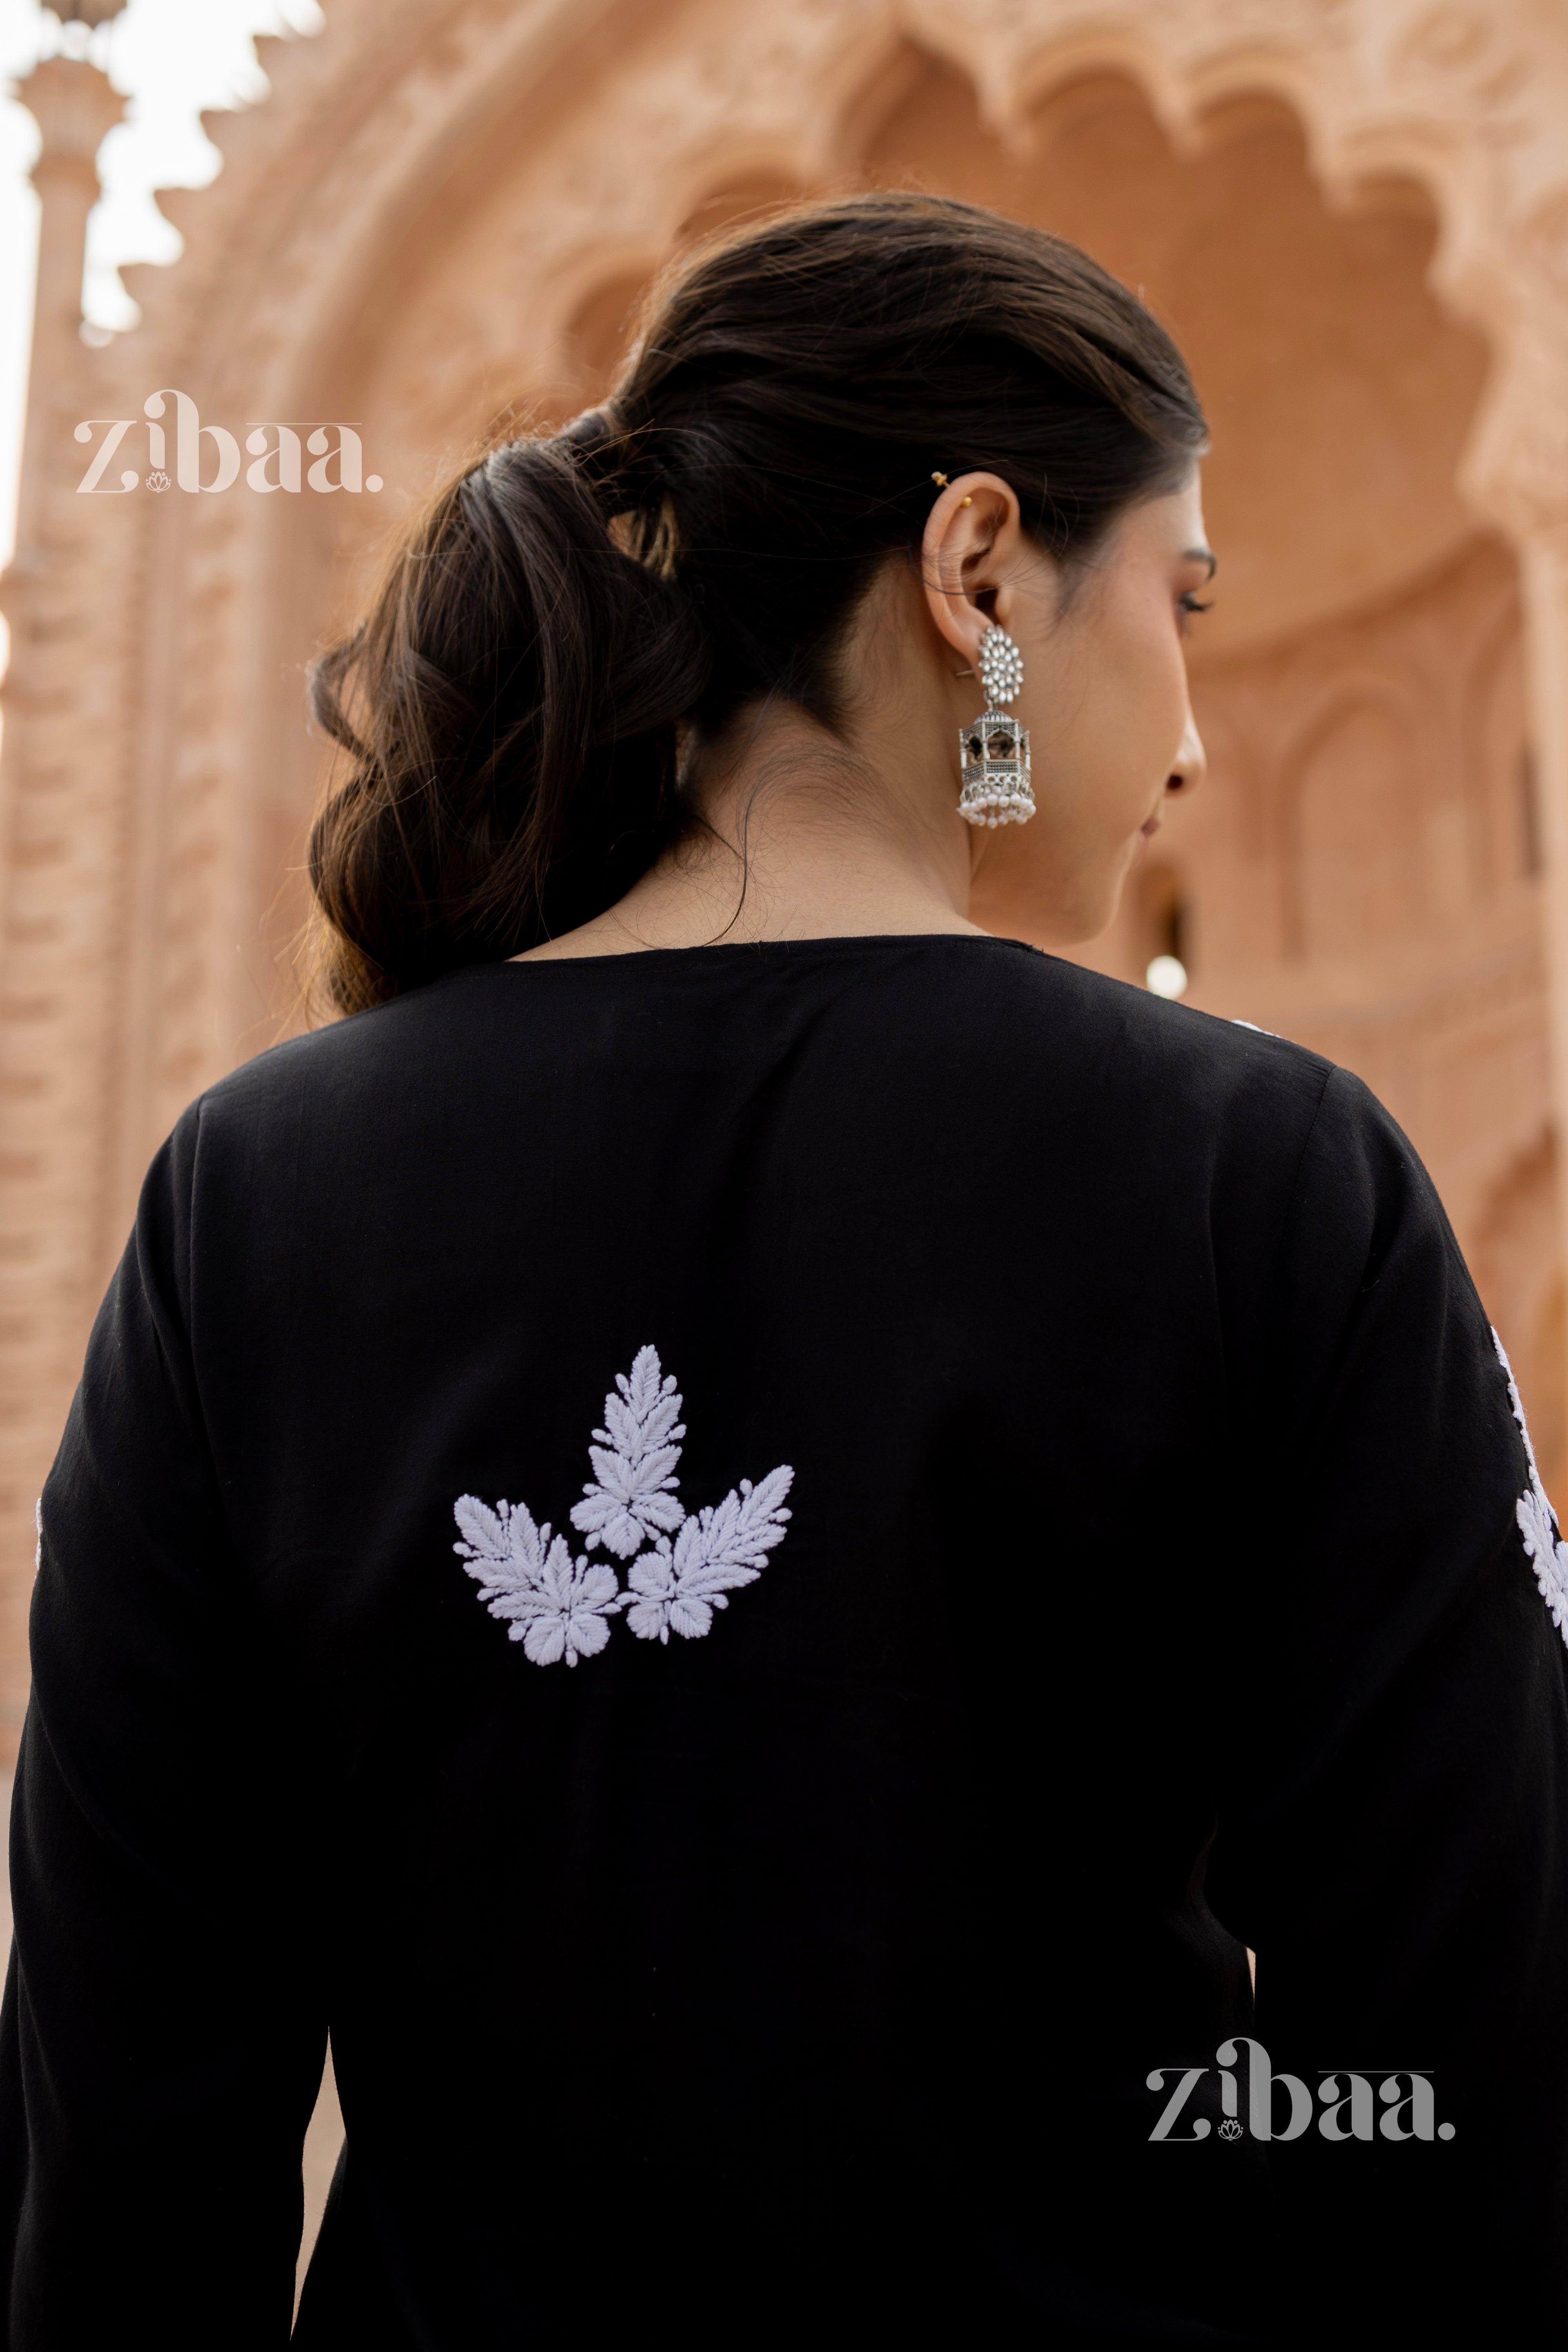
1191,761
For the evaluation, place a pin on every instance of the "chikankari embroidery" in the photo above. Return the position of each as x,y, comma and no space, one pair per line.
559,1607
1547,1552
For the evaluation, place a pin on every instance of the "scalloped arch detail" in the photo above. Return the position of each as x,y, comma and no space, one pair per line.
1462,98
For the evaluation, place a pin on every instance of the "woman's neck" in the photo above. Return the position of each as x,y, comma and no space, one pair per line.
801,836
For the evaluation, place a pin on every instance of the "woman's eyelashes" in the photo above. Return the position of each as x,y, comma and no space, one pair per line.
1192,603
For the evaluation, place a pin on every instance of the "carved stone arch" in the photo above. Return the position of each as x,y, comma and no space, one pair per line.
1334,66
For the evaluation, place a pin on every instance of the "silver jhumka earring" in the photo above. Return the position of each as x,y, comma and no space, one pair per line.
994,749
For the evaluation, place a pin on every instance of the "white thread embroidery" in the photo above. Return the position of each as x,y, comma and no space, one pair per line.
1545,1550
715,1552
560,1607
633,1457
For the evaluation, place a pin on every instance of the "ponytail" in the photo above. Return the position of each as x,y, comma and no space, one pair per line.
509,711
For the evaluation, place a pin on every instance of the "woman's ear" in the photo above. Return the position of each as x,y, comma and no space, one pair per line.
973,538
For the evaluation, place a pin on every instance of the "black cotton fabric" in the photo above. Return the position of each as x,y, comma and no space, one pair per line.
1154,1587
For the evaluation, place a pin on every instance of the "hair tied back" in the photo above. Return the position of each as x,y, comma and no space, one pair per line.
616,463
586,436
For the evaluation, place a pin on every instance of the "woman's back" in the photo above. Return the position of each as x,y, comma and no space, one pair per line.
788,1919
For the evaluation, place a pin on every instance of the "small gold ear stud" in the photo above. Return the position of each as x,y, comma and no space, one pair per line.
941,480
966,502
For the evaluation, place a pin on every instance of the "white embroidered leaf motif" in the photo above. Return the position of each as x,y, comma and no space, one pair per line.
557,1607
721,1548
631,1496
1544,1549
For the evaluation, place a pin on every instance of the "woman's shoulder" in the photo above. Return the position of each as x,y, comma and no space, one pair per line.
1165,1095
1030,1015
349,1060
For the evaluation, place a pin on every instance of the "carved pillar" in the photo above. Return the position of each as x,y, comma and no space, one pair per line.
74,108
61,817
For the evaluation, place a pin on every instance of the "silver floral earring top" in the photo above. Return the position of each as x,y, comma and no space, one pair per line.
994,749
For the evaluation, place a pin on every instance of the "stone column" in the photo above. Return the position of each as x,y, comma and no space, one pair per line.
74,108
61,818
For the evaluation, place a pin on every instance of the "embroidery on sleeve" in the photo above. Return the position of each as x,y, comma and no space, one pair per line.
1544,1547
559,1607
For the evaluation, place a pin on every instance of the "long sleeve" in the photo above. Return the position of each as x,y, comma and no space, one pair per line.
160,2045
1393,1842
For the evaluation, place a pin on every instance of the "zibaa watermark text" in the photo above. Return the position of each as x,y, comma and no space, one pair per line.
1345,2107
277,453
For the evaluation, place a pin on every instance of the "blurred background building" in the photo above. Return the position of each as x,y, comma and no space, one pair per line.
1354,215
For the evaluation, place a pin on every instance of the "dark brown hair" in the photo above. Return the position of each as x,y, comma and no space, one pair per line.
569,609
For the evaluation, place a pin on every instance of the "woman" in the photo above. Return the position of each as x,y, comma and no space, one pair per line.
749,1534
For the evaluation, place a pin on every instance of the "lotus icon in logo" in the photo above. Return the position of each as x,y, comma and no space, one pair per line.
158,479
1230,2128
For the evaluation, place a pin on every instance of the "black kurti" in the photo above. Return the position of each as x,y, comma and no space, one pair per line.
751,1569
